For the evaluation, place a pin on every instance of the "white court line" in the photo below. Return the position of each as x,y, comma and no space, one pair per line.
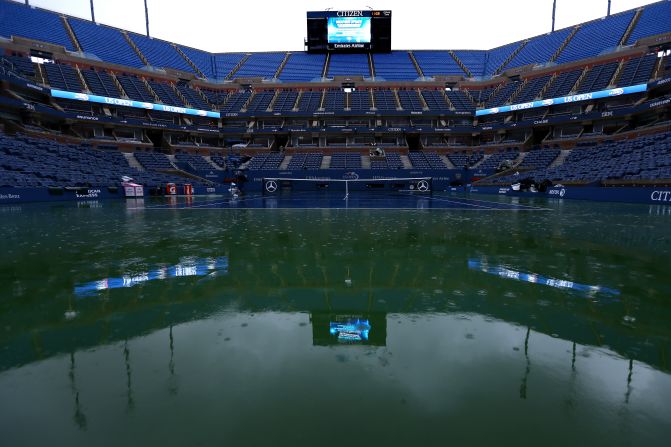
511,204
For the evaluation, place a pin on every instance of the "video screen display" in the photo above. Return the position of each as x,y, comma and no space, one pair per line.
348,30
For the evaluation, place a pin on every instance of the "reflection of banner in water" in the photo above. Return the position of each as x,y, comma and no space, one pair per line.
503,272
351,330
196,267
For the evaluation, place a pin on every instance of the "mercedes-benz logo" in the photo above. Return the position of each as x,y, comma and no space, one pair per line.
271,186
422,185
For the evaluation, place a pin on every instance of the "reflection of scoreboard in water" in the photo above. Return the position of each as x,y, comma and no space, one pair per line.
349,31
349,329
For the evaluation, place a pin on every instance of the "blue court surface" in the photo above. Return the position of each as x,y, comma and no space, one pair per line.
356,200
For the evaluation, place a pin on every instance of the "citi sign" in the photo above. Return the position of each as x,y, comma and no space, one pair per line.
349,13
661,196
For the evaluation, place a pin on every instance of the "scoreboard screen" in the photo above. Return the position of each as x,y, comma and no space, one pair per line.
349,31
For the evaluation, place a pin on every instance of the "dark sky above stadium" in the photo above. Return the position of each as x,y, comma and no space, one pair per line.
264,25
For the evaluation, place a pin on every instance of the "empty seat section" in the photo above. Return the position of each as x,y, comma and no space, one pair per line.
360,100
503,94
216,98
201,59
22,64
261,101
435,100
596,36
63,77
541,158
100,83
410,100
637,71
153,161
334,101
263,65
532,88
394,66
165,93
497,56
17,19
303,67
563,84
235,102
435,63
224,63
384,100
305,161
655,19
160,53
474,60
460,101
345,160
310,101
105,42
196,162
285,101
193,97
597,78
348,65
135,88
540,49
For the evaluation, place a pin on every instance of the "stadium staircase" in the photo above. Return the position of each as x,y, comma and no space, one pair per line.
397,100
560,159
118,85
630,28
582,76
416,64
214,165
285,163
565,43
71,34
134,47
517,91
132,161
510,57
287,55
238,66
326,65
150,90
616,76
365,162
188,61
405,161
326,162
447,162
39,74
85,85
371,66
460,63
179,94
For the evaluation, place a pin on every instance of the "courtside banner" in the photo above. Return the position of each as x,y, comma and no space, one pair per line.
130,103
564,100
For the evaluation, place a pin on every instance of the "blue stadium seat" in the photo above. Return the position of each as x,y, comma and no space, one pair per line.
394,66
654,20
437,62
303,67
105,42
17,19
348,65
263,65
595,37
160,53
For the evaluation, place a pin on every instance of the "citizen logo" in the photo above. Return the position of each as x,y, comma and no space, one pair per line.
350,13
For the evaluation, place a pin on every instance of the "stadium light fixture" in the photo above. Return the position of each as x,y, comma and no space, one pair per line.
554,9
146,16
